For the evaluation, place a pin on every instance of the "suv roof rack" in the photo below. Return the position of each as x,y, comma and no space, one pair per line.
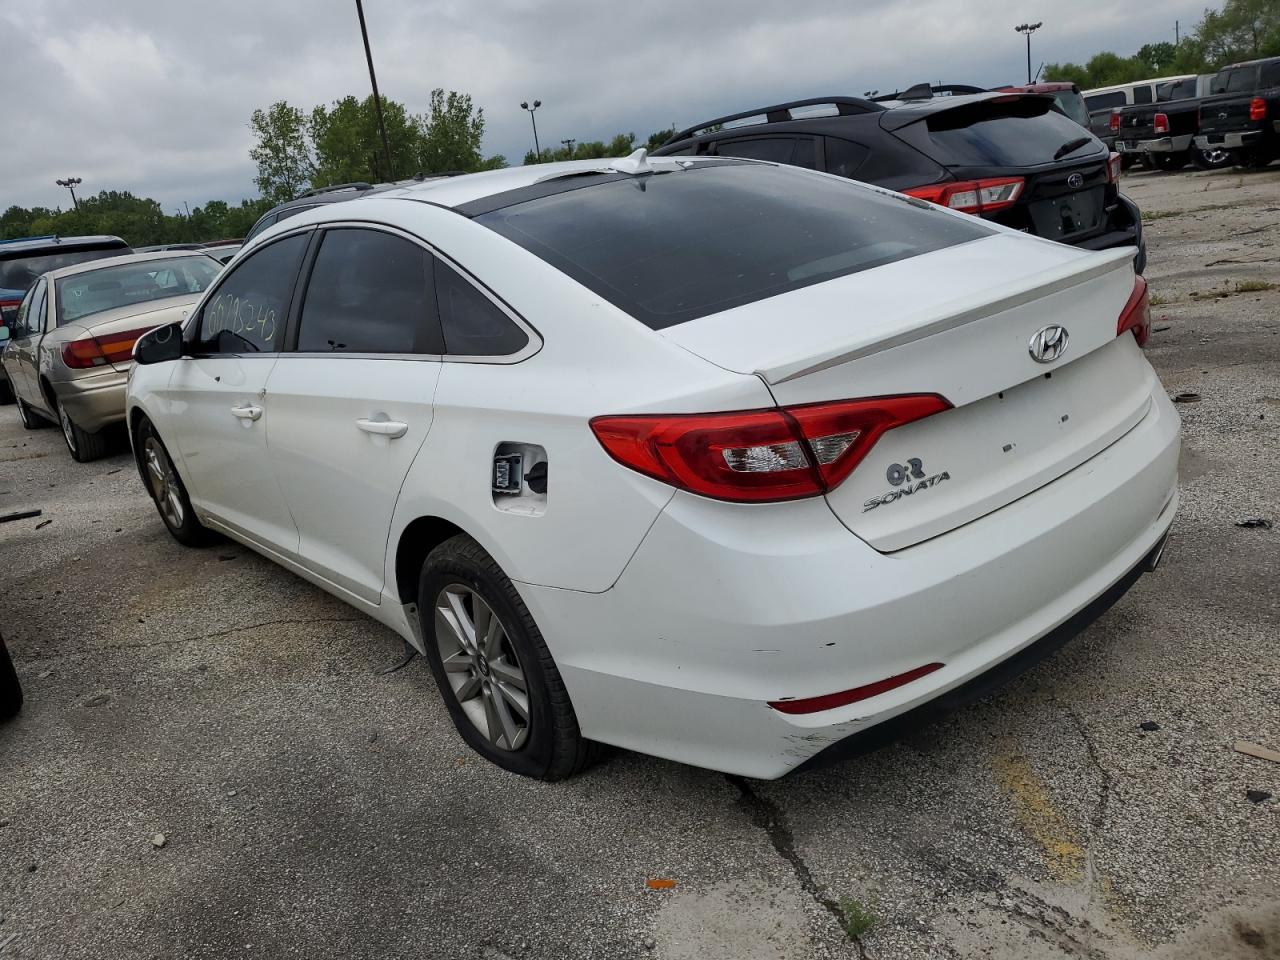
781,112
925,91
354,185
48,236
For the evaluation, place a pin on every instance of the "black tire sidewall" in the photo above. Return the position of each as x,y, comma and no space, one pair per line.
443,567
29,420
192,533
10,689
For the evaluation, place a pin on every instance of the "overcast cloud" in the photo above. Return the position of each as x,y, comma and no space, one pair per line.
154,97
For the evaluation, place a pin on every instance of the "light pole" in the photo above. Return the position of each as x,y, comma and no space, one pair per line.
71,183
1028,29
377,100
569,143
537,150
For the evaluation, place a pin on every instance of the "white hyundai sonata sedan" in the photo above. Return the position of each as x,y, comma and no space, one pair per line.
717,460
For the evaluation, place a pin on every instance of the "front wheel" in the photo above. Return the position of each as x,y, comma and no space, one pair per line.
84,446
167,490
493,669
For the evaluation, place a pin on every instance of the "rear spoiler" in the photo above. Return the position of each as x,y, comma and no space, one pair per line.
965,310
895,118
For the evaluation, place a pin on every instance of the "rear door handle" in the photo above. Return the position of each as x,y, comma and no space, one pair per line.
383,428
248,411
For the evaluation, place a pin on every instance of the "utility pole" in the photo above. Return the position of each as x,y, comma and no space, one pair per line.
1027,29
1177,38
569,143
373,80
71,183
537,150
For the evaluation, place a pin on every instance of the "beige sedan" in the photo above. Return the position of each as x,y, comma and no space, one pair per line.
70,345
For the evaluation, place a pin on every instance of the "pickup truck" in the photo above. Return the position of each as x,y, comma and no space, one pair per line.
1243,115
1161,134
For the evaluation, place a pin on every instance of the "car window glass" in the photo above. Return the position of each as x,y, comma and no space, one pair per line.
1271,74
806,153
261,225
19,273
131,284
473,325
284,215
369,292
1142,94
36,318
844,157
24,310
247,311
1104,101
776,149
1240,81
1021,132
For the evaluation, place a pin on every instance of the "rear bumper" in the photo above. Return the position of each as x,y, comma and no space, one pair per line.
95,401
1229,141
1125,231
1158,145
724,608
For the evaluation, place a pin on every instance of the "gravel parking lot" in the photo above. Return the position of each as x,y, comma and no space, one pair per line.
314,806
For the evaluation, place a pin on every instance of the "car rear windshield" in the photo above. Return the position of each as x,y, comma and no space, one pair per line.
1009,133
671,247
1072,104
21,273
97,291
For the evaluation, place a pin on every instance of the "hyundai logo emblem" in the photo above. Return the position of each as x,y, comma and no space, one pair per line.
1075,181
1048,344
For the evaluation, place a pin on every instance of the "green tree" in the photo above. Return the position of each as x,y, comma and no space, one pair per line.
1241,30
282,151
347,146
450,135
1069,73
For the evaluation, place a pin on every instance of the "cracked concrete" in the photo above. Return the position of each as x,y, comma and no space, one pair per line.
315,807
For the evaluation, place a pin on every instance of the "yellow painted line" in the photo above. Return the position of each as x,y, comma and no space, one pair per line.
1038,818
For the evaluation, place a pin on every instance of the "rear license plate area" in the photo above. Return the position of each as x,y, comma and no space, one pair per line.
1069,215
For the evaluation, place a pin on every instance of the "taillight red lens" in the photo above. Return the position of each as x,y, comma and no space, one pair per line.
101,351
1136,315
1115,166
1257,109
972,196
756,456
1162,123
829,701
1115,122
8,308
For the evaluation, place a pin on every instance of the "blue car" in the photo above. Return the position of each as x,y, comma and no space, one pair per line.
22,261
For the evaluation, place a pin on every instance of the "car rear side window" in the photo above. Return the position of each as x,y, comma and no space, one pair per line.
844,157
1142,94
474,326
1104,101
1271,74
369,292
671,247
1023,132
774,149
247,311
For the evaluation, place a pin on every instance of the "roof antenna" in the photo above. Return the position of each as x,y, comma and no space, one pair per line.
637,163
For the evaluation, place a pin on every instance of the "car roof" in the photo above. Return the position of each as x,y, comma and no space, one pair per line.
1137,83
1048,86
53,243
91,265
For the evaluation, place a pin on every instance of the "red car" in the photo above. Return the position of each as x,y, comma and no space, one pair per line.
1067,95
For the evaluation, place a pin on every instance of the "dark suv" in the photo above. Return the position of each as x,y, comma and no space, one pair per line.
24,260
1012,158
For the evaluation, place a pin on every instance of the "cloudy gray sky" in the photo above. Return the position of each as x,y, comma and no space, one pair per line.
153,96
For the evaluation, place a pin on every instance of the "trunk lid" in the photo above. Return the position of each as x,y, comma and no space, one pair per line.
1016,424
107,327
1227,114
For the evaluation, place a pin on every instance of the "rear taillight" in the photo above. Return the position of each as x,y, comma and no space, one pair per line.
1115,165
101,351
1162,123
972,196
1137,313
1115,122
1257,109
8,308
755,456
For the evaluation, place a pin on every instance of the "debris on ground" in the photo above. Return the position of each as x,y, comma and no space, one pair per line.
1257,750
659,883
1149,725
19,515
1187,398
1167,326
1257,796
1260,523
159,840
43,523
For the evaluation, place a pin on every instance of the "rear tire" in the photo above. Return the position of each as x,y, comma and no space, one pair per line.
1127,160
6,391
1211,159
30,419
84,446
10,689
167,489
1169,162
532,731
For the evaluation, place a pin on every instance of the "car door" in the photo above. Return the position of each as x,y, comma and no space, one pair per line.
351,400
220,413
21,355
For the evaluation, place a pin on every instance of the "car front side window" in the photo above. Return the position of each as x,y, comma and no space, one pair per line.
248,309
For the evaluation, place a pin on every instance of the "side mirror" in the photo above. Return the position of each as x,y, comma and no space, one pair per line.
159,345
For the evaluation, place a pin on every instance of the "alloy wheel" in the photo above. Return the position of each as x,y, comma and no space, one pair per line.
68,428
163,480
482,667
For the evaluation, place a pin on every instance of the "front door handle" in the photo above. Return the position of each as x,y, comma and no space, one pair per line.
392,429
248,411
